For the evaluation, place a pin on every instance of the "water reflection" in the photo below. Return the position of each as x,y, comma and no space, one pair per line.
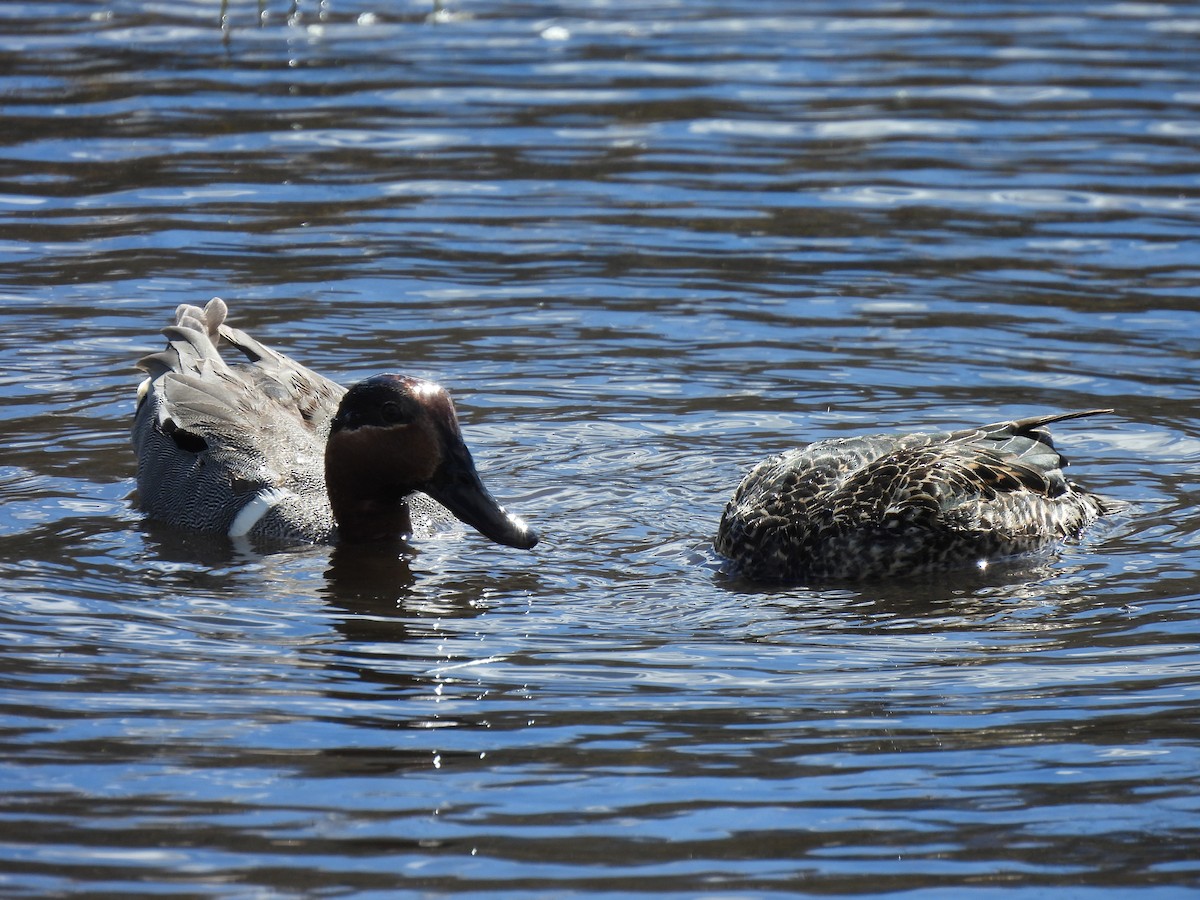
372,574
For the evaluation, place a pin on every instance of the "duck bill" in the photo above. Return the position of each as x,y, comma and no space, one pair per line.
459,488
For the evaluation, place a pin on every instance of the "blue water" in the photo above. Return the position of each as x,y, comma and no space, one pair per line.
644,245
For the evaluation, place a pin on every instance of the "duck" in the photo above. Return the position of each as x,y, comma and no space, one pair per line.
884,505
269,450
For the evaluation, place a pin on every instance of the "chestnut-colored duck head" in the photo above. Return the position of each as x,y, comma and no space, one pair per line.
394,435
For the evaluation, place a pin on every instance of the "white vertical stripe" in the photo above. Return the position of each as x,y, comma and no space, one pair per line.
250,514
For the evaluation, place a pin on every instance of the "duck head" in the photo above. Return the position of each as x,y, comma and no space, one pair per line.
394,435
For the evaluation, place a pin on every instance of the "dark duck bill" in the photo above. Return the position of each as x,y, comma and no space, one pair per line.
394,435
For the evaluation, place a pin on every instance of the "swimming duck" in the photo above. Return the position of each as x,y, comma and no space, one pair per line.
272,450
891,504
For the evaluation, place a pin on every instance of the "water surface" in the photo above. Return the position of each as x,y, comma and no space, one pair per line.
644,245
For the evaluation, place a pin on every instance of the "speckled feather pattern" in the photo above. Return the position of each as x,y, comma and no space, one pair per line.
894,504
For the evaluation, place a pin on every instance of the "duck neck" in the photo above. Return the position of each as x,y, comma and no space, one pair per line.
361,519
365,507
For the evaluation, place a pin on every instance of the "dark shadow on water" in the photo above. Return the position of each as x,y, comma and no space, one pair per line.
171,544
973,591
373,574
374,579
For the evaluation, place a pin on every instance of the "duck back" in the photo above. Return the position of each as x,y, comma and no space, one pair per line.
232,448
892,504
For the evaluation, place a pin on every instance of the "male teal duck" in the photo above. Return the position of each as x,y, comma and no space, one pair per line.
893,504
273,451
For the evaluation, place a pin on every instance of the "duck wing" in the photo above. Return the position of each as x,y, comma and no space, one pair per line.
212,437
1005,477
1015,456
291,388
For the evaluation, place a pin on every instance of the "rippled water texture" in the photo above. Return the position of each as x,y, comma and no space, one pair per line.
645,245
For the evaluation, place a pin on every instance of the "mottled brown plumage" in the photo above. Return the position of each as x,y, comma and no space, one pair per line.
892,504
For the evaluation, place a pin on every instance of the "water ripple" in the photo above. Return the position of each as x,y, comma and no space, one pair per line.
644,248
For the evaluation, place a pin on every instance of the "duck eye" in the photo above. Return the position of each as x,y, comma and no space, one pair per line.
394,413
